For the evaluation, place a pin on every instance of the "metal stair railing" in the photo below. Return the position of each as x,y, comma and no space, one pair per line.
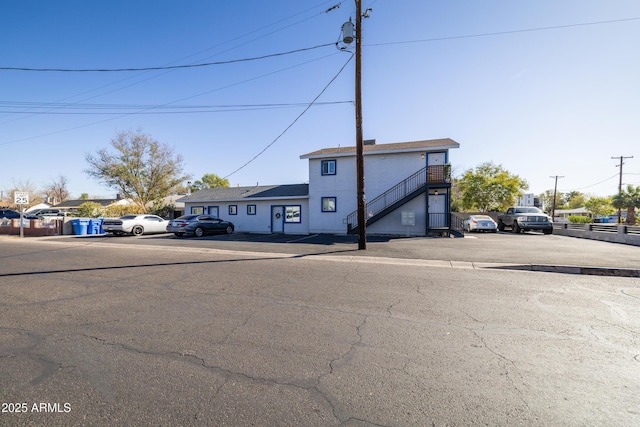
391,196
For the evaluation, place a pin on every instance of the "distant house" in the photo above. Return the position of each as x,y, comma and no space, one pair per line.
178,207
408,191
562,215
73,205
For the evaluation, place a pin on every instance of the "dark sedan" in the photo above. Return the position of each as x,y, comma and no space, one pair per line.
199,225
11,214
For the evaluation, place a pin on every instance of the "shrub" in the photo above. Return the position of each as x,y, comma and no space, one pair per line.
116,211
579,219
90,210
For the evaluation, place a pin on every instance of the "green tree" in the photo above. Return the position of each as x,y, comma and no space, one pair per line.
141,169
547,200
575,200
490,187
210,180
599,206
90,210
628,199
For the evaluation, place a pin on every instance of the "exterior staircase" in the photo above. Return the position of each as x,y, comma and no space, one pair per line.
402,193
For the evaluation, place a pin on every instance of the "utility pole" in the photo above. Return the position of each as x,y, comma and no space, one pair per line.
555,191
362,204
620,182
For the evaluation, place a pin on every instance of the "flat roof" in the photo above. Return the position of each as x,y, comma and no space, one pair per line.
398,147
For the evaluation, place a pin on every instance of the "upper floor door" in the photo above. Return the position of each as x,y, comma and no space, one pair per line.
434,159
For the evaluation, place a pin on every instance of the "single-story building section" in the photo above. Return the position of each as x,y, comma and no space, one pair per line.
258,209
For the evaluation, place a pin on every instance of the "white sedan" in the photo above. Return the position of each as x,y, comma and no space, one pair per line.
135,224
480,223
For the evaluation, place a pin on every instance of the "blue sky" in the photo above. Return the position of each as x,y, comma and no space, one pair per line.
516,83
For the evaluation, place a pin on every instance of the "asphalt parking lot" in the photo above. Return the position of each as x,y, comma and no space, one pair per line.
529,250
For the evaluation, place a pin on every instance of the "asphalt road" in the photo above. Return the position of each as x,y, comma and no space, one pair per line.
126,332
500,248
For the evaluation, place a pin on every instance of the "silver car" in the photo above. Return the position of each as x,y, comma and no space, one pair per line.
480,223
135,224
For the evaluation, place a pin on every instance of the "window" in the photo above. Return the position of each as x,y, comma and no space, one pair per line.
292,214
251,209
233,209
328,167
328,204
197,210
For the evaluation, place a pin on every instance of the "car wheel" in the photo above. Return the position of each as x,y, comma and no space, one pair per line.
500,226
179,234
547,231
199,232
138,230
516,228
229,229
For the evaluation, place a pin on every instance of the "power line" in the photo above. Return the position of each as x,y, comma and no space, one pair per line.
178,109
499,33
156,75
593,185
163,105
168,67
294,121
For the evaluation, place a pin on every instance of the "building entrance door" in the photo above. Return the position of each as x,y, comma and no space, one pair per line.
437,211
277,219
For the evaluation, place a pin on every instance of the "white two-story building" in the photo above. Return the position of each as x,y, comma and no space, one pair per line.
407,186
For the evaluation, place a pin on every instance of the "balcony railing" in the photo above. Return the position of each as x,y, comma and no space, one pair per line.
438,174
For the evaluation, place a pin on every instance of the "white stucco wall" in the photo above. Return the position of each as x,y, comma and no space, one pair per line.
392,223
382,171
261,221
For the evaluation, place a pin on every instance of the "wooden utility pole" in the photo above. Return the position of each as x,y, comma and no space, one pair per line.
620,183
362,205
555,191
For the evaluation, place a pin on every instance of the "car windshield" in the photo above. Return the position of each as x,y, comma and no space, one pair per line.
528,210
483,217
186,217
128,217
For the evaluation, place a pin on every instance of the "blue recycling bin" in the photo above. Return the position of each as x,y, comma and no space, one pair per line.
80,226
95,226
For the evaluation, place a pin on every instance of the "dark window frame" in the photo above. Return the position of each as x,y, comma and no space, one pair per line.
324,164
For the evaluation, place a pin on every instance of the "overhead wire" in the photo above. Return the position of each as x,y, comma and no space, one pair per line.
593,185
168,103
186,109
168,67
294,121
499,33
197,53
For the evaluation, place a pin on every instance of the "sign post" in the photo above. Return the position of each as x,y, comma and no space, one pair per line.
21,198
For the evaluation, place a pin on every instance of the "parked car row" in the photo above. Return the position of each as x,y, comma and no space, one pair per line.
186,225
518,220
11,214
